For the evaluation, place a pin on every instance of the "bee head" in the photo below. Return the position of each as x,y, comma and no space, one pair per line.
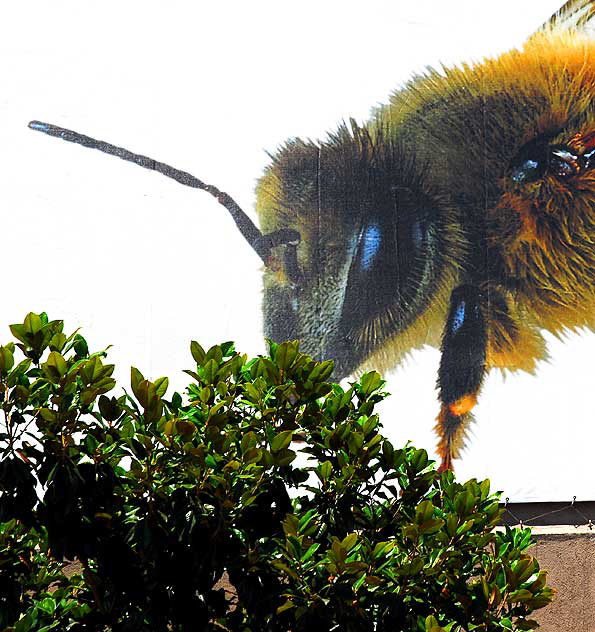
373,247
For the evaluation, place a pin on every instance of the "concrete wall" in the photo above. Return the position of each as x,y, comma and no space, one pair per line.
568,553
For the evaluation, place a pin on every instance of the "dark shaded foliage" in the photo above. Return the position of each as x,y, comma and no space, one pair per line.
158,499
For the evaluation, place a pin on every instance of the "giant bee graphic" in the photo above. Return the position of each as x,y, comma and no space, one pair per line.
462,215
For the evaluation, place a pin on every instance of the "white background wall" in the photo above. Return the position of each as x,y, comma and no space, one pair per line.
145,264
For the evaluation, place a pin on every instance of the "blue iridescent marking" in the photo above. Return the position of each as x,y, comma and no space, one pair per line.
370,244
458,318
417,234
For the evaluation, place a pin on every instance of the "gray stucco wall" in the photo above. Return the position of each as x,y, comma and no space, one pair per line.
568,553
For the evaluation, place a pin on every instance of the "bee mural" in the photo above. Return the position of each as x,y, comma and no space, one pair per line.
462,216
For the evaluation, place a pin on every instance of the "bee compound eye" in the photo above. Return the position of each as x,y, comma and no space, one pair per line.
589,159
530,164
394,263
534,161
563,163
528,171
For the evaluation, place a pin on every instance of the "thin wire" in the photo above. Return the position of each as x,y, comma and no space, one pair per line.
587,521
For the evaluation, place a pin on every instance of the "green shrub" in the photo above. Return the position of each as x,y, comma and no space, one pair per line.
164,501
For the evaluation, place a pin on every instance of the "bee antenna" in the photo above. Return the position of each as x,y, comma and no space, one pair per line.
259,243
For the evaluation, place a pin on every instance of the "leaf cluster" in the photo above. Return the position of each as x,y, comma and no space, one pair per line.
263,498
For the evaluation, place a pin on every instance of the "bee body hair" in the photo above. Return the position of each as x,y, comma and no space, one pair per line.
461,216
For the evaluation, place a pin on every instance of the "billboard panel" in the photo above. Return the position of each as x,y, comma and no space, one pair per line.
414,220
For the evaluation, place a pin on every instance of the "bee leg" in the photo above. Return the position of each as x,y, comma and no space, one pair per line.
462,369
514,343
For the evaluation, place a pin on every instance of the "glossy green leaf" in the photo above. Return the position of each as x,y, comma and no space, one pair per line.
198,353
281,440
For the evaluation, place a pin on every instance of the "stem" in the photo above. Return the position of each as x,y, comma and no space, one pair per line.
7,410
89,577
